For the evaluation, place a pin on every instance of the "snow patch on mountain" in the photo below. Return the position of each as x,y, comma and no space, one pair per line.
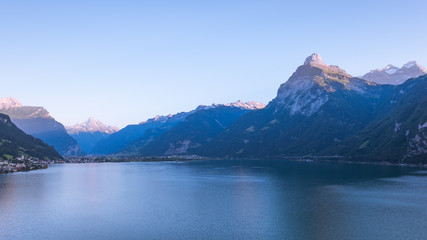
391,71
251,105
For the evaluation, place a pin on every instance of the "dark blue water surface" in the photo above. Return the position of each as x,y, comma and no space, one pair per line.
232,199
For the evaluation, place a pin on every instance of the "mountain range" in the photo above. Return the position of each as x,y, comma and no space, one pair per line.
320,111
135,136
199,127
323,111
36,121
394,75
317,107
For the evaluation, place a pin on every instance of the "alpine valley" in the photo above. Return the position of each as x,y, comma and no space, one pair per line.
321,111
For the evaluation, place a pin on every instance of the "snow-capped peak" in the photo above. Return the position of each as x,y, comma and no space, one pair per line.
394,75
91,125
157,118
251,105
9,102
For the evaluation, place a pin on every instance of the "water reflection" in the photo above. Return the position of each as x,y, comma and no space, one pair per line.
213,200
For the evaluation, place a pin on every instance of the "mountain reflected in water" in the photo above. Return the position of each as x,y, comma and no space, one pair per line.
239,199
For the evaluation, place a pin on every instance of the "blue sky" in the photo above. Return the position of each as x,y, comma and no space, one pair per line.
125,61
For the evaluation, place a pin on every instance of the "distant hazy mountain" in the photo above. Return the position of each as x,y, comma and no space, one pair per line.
90,126
394,75
14,142
37,122
138,134
119,140
89,133
198,128
251,105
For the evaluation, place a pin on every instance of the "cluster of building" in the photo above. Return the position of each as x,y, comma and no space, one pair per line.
21,164
85,159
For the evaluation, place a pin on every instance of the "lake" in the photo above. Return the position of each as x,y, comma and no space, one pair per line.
220,199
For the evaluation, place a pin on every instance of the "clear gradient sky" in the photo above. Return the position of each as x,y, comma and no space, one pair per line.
125,61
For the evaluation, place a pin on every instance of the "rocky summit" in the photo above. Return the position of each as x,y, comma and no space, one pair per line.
307,89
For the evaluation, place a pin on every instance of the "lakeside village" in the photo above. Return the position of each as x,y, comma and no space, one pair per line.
22,164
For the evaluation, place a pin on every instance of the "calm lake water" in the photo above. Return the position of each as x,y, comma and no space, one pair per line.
214,200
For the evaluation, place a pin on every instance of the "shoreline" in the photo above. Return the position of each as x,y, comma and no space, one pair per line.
13,167
21,167
184,158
